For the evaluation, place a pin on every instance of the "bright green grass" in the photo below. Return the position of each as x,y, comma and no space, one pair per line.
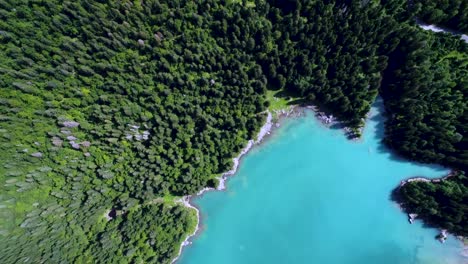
248,3
170,199
276,102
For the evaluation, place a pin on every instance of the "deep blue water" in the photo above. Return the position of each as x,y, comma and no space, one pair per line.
309,195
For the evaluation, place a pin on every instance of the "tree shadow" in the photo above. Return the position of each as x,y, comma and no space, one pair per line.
380,118
300,102
378,115
286,94
397,197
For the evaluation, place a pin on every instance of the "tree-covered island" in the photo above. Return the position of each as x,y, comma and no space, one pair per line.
111,110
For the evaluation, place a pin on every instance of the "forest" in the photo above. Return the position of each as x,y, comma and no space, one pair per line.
112,110
442,204
452,14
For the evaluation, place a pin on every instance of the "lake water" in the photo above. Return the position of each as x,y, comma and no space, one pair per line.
309,195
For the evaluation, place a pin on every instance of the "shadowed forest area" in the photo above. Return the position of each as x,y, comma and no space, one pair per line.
111,110
452,14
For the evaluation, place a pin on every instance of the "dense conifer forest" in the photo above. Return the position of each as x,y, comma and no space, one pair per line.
449,13
111,110
443,204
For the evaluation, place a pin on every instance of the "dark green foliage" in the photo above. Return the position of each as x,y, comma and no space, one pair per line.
450,13
150,234
332,51
443,204
161,106
425,93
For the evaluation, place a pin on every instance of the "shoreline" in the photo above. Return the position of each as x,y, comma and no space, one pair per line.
437,28
443,234
272,123
265,131
424,179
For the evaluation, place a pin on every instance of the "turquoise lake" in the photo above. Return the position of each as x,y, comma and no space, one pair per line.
309,195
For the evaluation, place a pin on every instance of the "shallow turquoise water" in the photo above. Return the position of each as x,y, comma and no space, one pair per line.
309,195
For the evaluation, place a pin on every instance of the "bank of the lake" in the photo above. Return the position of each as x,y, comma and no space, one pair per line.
273,121
435,28
311,196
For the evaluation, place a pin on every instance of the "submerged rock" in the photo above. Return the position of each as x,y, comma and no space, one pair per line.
442,236
412,217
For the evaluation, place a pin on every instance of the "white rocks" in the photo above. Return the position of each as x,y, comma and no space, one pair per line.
135,133
325,119
145,135
186,202
74,145
70,124
157,37
421,179
37,155
107,215
412,217
71,138
442,236
65,132
236,160
57,142
440,29
204,190
265,130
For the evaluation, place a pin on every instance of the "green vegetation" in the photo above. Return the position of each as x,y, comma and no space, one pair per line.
277,101
108,106
443,204
425,99
331,53
449,13
116,108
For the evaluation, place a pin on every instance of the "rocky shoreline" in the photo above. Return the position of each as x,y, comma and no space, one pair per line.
270,125
423,179
186,200
412,217
273,122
